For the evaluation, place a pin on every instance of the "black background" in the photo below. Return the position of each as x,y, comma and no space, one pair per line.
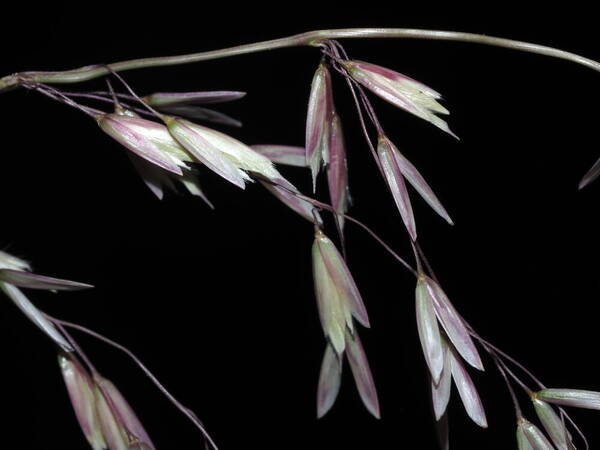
220,304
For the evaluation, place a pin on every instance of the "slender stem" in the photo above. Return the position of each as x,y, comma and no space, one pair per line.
332,210
359,107
505,355
514,377
426,262
337,52
74,344
132,92
339,48
357,222
188,412
382,243
101,98
563,414
311,38
100,94
417,259
364,126
368,107
90,95
54,94
513,396
113,95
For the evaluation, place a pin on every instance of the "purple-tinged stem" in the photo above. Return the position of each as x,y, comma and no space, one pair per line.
417,259
426,262
189,413
61,98
100,95
90,95
563,414
115,99
351,86
340,48
74,344
96,96
368,107
513,396
364,125
505,355
132,92
512,374
332,210
495,351
366,104
360,224
118,94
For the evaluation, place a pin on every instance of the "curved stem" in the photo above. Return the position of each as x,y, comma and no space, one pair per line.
54,94
135,96
380,241
425,260
511,391
507,356
363,124
332,210
311,38
75,345
564,415
99,97
528,391
185,410
417,259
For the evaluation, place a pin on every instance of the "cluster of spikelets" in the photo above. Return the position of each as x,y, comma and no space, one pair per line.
325,143
337,295
554,421
446,339
164,151
105,417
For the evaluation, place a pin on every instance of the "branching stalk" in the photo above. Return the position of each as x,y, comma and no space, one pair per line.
311,38
324,39
511,391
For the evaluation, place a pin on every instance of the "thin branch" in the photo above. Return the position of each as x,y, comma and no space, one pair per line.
98,97
54,94
505,355
513,396
361,117
74,344
311,38
563,414
417,259
114,97
426,262
132,92
514,377
331,209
